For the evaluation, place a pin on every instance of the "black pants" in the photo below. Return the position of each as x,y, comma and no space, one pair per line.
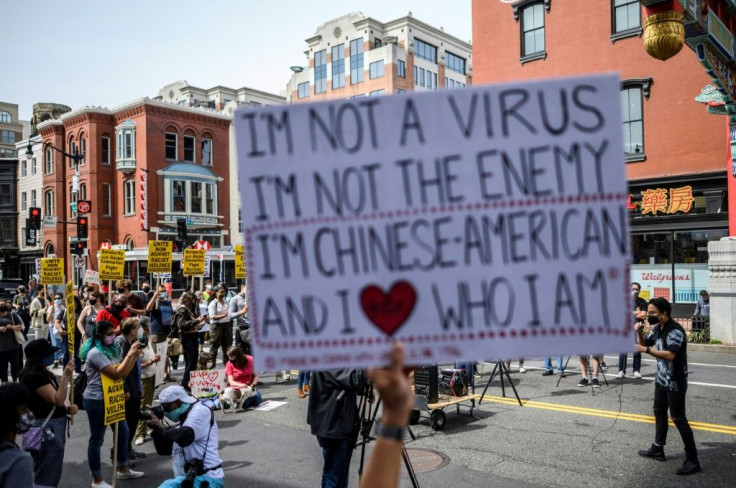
12,358
675,401
190,345
132,416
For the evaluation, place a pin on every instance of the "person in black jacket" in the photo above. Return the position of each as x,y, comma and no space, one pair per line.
334,418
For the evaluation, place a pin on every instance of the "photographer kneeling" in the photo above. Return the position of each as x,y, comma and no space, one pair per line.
192,442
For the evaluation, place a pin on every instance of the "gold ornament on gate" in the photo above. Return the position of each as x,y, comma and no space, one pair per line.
664,34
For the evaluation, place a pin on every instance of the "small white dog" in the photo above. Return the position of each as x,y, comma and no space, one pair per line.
234,398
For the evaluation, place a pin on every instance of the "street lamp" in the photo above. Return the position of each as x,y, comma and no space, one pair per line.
75,156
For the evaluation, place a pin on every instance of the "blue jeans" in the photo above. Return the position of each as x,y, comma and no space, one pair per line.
253,400
548,363
302,378
336,453
623,359
96,413
176,482
58,355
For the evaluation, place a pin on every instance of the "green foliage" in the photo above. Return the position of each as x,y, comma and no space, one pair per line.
714,341
700,336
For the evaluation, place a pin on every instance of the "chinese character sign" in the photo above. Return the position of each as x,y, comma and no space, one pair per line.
488,222
660,200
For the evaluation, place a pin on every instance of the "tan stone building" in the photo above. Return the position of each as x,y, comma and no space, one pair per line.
11,129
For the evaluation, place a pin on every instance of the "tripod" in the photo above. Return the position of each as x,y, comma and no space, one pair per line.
367,419
500,369
600,370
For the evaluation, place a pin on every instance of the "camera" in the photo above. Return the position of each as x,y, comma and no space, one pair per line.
193,468
144,343
157,410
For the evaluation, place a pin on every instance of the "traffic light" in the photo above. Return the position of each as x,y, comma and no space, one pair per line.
34,214
181,229
82,227
78,247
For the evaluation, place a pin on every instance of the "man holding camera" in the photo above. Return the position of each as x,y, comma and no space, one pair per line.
191,441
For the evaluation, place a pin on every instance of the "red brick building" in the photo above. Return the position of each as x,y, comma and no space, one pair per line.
671,142
146,164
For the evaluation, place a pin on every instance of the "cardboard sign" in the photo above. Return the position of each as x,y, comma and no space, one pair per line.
112,265
113,393
52,271
482,223
160,350
71,323
92,276
159,256
194,262
239,262
207,382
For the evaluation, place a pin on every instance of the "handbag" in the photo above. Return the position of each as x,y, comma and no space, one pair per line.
34,437
19,337
175,347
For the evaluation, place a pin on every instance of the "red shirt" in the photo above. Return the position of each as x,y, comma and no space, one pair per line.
106,314
244,375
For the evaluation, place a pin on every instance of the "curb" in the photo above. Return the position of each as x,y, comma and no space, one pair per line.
717,348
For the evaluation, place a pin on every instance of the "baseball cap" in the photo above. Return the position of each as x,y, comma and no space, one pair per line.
39,349
174,393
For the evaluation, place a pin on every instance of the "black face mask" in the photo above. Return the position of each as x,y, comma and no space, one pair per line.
92,301
146,289
121,290
652,320
117,308
4,308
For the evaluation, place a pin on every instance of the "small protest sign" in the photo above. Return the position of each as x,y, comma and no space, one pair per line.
159,256
194,262
52,271
113,392
92,276
207,266
239,262
160,349
112,264
269,405
488,222
207,382
70,317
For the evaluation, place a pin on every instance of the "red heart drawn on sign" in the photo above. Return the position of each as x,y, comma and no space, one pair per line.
388,311
212,377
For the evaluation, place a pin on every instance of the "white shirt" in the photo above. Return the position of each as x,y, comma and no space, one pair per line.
215,308
204,311
198,419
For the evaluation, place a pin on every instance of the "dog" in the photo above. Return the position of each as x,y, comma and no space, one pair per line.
234,398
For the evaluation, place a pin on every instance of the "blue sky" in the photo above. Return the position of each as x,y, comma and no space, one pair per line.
93,52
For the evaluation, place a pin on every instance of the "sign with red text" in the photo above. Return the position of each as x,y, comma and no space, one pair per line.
482,223
207,382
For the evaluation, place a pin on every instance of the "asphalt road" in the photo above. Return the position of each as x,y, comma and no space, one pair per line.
564,436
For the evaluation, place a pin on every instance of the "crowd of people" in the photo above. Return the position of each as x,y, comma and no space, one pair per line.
116,335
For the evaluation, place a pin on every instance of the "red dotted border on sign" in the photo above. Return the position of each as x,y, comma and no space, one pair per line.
494,335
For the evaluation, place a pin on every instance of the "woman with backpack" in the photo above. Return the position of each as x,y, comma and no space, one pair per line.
102,357
48,402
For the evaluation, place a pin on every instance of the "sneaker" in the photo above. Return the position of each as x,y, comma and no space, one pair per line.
562,373
689,467
522,369
583,382
621,375
654,452
604,366
596,384
548,372
139,441
130,475
133,454
637,375
101,484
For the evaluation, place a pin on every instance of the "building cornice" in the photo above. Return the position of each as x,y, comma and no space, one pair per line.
149,102
408,21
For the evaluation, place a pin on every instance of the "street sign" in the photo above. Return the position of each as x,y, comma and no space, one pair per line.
31,233
50,220
79,261
84,206
190,222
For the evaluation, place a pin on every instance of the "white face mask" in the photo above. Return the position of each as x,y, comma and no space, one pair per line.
210,365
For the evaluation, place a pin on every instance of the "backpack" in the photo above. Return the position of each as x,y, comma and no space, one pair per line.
80,384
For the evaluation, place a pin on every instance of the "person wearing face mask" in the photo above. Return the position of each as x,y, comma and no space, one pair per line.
48,399
207,293
192,440
145,293
88,317
129,333
38,313
238,309
16,466
161,312
703,305
115,312
61,326
10,323
54,309
149,360
134,303
221,329
640,305
667,343
187,324
22,305
102,357
203,312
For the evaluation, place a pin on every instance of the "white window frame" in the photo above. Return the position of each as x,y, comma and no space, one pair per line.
202,151
107,191
48,203
49,162
109,150
129,197
24,201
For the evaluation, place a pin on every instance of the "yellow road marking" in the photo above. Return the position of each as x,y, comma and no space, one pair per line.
611,414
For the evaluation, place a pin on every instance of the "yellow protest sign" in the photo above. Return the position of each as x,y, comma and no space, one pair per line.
112,264
52,271
239,262
159,256
113,393
194,262
70,316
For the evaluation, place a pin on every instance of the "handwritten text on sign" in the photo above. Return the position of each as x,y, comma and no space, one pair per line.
207,382
488,222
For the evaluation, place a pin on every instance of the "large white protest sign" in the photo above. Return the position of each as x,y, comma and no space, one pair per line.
488,222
